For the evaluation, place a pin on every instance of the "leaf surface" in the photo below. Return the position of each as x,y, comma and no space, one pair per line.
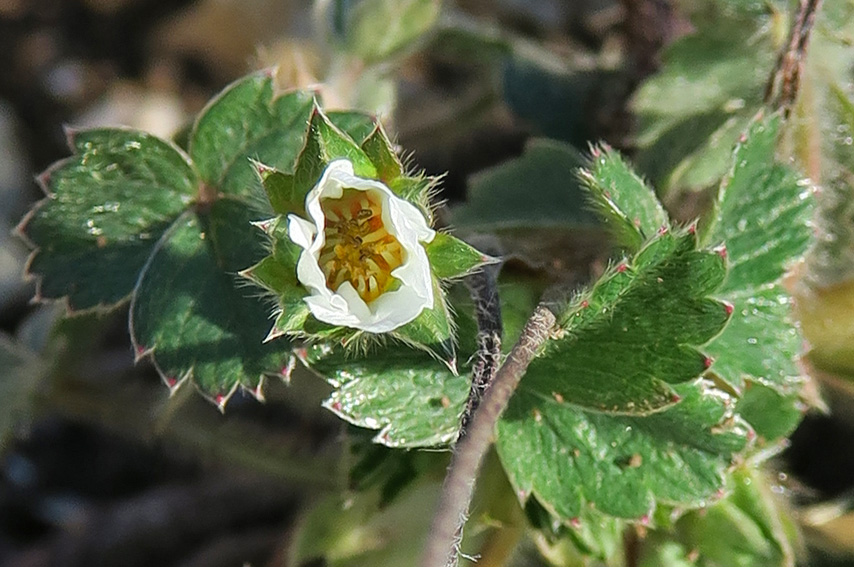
763,218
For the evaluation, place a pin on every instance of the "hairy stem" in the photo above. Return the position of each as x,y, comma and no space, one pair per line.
445,532
782,89
483,286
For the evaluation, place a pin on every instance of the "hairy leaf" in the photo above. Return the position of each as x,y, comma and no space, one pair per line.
627,341
763,218
190,313
107,206
570,459
630,209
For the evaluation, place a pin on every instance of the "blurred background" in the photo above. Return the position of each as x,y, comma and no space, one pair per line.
98,466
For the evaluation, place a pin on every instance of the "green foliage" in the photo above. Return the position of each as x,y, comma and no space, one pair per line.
375,30
570,459
630,209
450,257
711,83
130,215
762,219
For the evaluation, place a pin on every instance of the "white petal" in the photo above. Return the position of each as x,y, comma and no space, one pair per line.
345,307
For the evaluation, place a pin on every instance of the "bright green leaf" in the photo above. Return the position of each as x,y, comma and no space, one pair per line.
410,397
771,414
450,257
763,217
625,343
194,316
570,459
324,143
630,209
379,149
108,205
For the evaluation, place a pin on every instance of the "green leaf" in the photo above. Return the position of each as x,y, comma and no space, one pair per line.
539,189
763,217
376,30
107,206
193,316
21,375
324,143
771,414
748,527
450,257
623,345
570,459
379,149
248,121
712,81
358,125
630,209
410,397
281,191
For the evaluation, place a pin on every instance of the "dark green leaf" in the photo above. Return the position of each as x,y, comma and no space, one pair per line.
539,189
763,216
630,209
625,343
247,121
432,329
280,189
193,315
108,205
570,459
450,257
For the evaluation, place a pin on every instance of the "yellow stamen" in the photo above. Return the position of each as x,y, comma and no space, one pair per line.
358,247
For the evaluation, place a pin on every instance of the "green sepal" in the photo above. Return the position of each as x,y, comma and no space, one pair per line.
629,207
416,189
432,330
378,148
280,189
324,143
450,257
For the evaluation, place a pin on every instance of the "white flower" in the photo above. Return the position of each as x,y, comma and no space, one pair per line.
362,257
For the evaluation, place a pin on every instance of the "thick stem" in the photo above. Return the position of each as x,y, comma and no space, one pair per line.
443,542
782,89
483,287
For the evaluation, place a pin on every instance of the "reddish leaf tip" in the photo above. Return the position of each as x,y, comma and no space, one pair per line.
728,307
585,304
721,250
707,362
644,520
336,406
575,522
675,398
663,229
621,268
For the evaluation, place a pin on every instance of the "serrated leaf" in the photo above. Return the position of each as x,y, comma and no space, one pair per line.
450,257
358,125
281,192
107,206
324,143
21,374
569,459
193,315
763,218
630,209
248,121
711,82
625,344
410,397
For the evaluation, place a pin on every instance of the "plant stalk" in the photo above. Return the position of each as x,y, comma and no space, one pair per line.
443,542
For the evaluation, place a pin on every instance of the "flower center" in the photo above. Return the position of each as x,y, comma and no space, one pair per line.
358,247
